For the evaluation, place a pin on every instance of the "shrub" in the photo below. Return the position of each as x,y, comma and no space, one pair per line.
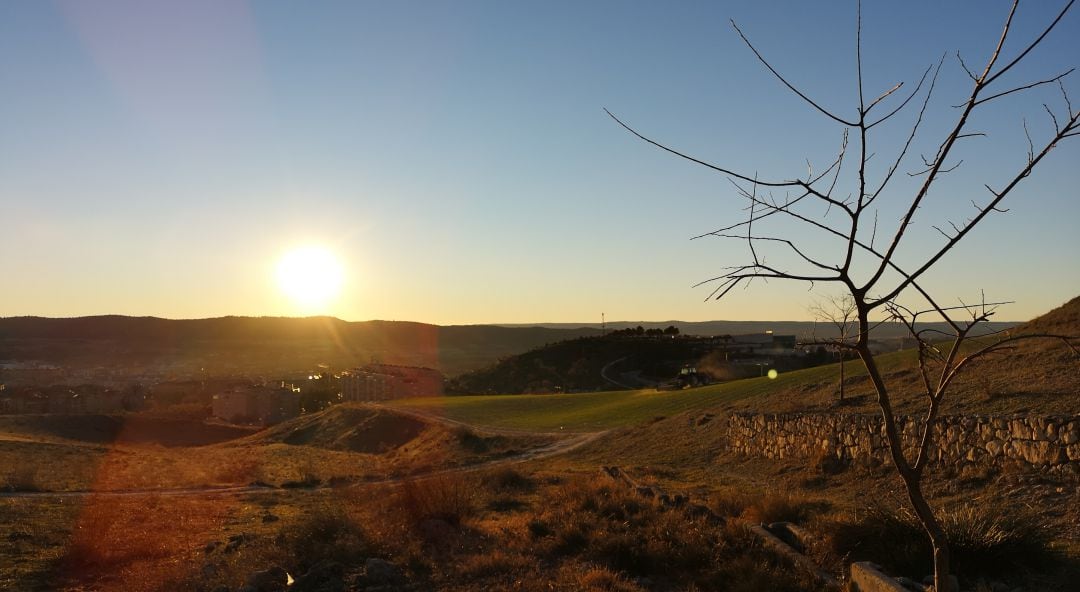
826,463
325,532
776,507
22,478
729,502
508,479
994,541
450,497
241,471
769,507
600,579
493,563
538,529
472,441
985,540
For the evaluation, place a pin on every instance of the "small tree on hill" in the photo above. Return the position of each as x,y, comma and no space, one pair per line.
839,311
871,274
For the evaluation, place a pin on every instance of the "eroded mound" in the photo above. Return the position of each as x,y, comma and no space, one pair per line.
349,429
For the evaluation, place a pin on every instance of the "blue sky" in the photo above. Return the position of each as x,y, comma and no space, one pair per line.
158,159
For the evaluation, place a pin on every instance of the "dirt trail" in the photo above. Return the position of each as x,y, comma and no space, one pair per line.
559,447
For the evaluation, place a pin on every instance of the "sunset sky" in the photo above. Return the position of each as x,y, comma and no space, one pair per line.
454,157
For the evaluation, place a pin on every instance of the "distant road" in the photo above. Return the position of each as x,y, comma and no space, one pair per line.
625,377
604,374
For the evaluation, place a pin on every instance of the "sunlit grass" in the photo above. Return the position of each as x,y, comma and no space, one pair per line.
598,411
811,389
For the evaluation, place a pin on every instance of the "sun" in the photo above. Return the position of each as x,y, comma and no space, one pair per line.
311,277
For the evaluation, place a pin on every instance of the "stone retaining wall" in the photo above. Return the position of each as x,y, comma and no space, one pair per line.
1045,442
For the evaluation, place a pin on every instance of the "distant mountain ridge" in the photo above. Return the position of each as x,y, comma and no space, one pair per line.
265,343
272,346
797,328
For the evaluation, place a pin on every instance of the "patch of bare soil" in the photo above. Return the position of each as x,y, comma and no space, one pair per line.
117,429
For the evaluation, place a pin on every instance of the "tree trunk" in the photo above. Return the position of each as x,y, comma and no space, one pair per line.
912,479
842,376
933,528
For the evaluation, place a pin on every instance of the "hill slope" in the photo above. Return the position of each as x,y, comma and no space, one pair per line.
1041,376
266,345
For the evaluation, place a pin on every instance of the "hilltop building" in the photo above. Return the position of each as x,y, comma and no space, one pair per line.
381,382
264,405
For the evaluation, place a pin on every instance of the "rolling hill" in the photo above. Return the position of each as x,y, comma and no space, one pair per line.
1039,375
259,346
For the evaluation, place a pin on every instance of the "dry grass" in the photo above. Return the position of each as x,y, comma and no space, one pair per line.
765,507
985,541
22,477
604,525
35,534
450,498
139,544
600,579
564,533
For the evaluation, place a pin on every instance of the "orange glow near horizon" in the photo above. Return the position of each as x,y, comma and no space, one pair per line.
311,278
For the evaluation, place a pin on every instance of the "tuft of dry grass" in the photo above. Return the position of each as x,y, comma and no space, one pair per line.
507,479
450,497
24,477
600,524
767,507
985,541
495,562
601,579
327,531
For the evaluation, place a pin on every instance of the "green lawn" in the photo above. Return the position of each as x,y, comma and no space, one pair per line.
585,412
596,411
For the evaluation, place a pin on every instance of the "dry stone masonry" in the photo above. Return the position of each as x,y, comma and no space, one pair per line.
1048,443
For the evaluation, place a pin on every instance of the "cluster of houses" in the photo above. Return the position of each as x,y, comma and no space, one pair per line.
87,398
269,404
258,404
232,400
381,382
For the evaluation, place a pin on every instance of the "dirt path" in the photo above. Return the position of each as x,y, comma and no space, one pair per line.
561,446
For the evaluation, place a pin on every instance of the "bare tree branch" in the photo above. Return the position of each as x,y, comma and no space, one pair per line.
788,84
1025,87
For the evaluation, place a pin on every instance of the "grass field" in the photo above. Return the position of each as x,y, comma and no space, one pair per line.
598,411
1039,376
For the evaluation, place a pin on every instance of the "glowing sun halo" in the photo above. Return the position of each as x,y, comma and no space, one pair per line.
310,277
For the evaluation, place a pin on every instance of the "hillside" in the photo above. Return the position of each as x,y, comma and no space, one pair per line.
883,331
1035,375
113,345
1038,376
617,361
257,346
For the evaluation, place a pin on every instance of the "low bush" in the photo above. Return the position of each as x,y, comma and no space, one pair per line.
985,541
508,479
492,563
450,497
23,478
767,508
325,532
601,524
600,579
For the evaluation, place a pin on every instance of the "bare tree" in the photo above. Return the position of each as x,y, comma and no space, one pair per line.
839,311
872,275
